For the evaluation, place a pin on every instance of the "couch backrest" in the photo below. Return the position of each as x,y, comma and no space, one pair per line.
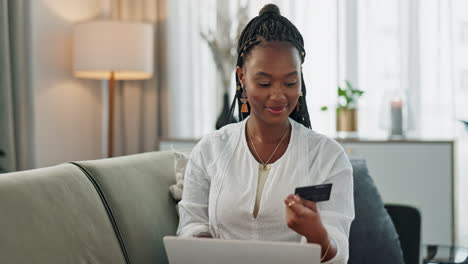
136,190
372,238
118,210
54,215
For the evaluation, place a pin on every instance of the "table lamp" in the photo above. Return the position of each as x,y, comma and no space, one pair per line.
113,50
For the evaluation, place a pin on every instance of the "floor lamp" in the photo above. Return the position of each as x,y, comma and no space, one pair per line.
113,50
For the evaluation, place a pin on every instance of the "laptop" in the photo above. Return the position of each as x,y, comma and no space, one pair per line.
216,251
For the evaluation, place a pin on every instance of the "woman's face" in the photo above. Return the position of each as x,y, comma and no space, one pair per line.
271,76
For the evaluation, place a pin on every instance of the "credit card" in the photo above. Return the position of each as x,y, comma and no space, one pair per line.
315,193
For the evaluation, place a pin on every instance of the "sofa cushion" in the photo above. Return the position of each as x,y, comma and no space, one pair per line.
373,238
180,163
136,189
54,215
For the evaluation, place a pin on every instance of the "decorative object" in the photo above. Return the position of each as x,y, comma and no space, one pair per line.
346,110
223,46
394,113
346,119
113,50
396,116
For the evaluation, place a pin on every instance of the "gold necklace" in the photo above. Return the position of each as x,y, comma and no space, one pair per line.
264,164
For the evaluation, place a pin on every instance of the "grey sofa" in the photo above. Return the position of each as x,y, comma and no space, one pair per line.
117,211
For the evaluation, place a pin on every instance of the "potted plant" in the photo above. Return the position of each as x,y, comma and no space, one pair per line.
346,110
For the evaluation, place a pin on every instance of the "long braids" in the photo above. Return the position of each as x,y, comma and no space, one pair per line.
268,26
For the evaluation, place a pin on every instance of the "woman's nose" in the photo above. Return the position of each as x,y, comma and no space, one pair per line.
277,91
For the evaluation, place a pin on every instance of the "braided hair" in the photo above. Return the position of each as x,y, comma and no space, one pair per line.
268,26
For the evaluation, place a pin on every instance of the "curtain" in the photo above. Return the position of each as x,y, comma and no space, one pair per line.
139,108
15,87
450,91
419,48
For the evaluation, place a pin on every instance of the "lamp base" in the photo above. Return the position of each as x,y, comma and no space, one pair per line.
110,127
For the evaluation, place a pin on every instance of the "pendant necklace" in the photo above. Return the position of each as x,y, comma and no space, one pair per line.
264,164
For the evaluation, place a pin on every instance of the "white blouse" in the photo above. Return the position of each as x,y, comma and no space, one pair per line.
221,180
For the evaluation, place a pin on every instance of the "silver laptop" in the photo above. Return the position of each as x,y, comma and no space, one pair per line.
216,251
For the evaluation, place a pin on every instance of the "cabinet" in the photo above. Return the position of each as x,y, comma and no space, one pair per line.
416,173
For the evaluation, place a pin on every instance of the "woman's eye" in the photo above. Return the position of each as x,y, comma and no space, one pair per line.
291,84
264,84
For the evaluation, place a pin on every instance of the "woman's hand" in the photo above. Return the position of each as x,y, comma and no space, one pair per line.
303,217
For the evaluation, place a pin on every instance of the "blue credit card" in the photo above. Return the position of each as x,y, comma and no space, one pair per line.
315,193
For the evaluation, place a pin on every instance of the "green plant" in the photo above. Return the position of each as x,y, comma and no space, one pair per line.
347,96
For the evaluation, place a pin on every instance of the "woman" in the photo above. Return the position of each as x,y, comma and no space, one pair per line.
239,181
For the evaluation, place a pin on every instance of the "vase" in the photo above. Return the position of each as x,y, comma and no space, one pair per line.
224,111
346,122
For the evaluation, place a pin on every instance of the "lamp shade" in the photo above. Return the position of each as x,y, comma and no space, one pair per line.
102,47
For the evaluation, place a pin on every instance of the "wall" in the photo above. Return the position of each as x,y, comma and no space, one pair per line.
67,111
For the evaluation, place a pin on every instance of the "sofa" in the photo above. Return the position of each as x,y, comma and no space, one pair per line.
117,210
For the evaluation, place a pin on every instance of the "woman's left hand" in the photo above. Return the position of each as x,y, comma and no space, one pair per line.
303,217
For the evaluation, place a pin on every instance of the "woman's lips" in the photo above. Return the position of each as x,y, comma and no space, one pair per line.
276,109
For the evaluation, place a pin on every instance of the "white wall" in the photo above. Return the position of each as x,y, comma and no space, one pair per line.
67,111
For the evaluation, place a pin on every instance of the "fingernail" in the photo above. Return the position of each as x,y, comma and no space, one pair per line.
296,197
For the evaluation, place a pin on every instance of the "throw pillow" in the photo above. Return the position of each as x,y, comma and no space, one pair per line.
180,163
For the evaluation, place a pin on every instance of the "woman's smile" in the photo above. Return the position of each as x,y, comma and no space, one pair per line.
276,109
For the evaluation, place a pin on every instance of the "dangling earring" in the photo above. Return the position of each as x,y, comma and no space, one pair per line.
298,104
244,100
